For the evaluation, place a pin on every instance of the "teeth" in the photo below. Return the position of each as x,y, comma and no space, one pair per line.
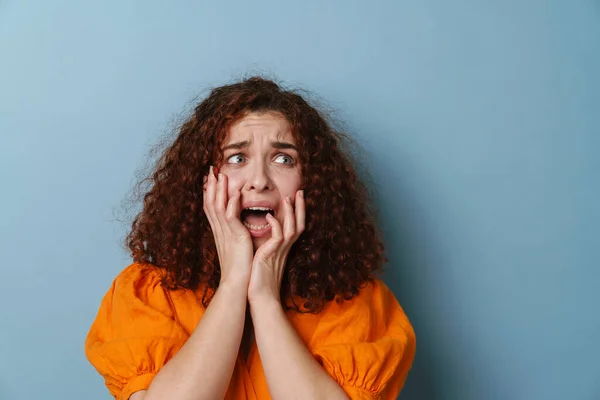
259,208
254,227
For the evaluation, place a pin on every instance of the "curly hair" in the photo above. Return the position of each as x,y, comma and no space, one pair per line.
341,248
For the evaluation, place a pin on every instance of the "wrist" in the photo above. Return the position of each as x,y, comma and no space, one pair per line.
234,287
264,301
233,277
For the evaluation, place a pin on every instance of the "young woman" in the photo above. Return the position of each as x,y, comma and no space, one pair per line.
255,261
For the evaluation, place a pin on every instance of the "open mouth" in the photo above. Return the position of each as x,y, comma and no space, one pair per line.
255,218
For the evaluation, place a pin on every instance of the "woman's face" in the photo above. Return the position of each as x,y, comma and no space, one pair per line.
261,159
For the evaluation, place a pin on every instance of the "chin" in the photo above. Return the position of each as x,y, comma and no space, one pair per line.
257,242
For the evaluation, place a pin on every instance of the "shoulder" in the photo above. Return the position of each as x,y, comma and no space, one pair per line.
374,297
135,332
137,279
137,288
139,275
366,343
373,312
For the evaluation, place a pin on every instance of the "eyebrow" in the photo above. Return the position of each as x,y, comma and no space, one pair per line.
246,143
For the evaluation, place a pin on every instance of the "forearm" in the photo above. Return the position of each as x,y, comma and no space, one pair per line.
202,368
290,369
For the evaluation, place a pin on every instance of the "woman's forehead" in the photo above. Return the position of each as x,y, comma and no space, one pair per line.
258,127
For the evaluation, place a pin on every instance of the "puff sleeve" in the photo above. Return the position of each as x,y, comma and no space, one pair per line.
366,344
135,332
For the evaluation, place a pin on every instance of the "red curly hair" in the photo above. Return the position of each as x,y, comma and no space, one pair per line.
340,249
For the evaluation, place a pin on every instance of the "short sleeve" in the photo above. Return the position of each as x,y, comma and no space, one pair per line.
135,332
366,344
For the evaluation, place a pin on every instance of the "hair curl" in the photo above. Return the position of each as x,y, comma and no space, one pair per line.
340,249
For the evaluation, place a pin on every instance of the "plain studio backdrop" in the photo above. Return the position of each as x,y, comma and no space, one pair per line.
479,123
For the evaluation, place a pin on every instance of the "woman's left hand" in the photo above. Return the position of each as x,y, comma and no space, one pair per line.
270,258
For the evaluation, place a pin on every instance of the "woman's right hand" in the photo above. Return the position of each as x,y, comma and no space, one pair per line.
232,239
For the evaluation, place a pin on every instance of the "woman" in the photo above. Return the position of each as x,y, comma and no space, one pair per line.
255,258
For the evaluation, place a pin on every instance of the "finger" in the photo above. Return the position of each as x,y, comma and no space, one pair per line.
289,223
209,195
233,206
221,194
300,211
208,206
272,245
276,233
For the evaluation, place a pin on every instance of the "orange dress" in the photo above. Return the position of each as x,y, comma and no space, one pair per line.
366,344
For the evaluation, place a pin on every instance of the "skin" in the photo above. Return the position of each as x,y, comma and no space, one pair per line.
263,171
259,170
251,272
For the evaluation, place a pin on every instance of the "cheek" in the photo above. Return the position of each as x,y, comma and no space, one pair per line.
233,183
289,186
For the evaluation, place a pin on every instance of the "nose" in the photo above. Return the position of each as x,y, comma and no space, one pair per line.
259,179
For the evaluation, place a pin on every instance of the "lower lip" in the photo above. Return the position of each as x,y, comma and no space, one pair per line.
259,233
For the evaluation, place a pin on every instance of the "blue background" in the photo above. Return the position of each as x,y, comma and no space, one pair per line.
480,123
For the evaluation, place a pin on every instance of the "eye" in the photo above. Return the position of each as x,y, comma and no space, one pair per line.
284,159
236,159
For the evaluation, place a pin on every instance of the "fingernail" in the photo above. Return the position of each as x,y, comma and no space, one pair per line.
220,176
301,193
210,170
287,200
